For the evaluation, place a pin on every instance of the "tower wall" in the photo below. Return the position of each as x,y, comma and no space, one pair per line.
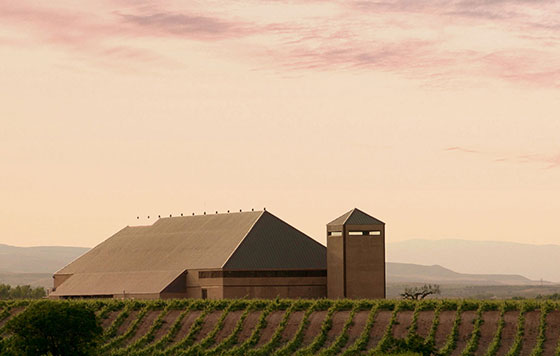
335,264
356,257
365,263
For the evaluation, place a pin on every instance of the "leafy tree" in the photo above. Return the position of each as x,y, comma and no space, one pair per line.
54,328
418,293
555,296
5,291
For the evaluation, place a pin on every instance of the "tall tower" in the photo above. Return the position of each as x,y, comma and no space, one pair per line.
356,256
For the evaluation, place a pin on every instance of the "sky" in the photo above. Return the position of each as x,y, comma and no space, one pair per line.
440,118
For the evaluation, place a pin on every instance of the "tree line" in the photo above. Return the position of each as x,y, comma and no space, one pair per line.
21,292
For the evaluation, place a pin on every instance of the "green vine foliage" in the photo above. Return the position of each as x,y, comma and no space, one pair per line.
320,339
248,344
472,344
541,337
496,341
269,347
341,339
191,342
231,340
430,340
361,342
518,341
146,338
117,341
296,341
210,339
451,342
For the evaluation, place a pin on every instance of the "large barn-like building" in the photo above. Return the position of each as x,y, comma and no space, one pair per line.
231,255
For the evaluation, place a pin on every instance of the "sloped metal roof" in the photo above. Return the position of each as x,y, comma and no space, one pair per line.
248,240
274,244
111,283
355,217
177,243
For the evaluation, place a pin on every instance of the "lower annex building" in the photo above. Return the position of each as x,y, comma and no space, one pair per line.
231,255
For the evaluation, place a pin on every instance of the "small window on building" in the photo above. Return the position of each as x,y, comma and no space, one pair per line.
335,233
374,233
355,233
204,293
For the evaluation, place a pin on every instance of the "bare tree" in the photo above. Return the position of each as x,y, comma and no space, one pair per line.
419,293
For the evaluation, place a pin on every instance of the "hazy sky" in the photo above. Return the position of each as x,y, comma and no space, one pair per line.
440,118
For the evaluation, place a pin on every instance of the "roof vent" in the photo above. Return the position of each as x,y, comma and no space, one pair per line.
239,210
169,215
216,211
159,216
264,208
204,213
252,209
181,214
148,216
228,211
137,217
192,214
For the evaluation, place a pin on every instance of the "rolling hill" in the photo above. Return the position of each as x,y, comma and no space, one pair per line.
536,262
35,266
407,272
40,259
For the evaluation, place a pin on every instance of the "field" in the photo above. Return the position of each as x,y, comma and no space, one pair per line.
321,327
470,291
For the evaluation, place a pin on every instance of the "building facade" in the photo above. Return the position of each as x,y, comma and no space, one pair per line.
356,256
233,255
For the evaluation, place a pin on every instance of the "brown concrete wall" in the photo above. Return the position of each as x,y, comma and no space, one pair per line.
58,279
137,296
164,295
195,285
269,292
365,263
265,287
335,264
278,281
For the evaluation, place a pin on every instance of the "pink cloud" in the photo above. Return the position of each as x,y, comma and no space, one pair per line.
539,68
398,36
551,161
80,34
185,25
554,161
461,149
93,37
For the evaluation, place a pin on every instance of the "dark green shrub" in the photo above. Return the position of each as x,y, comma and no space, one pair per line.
57,328
414,344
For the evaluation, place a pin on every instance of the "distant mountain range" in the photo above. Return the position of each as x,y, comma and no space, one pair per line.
35,265
40,259
536,262
413,273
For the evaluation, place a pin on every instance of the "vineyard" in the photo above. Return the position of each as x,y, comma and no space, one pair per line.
320,327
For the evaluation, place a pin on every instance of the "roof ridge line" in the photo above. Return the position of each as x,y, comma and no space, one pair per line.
349,215
244,237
